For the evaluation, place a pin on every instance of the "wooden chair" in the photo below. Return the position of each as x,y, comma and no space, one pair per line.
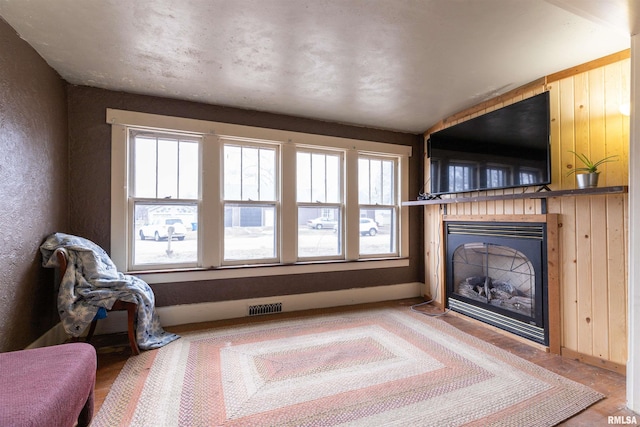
119,305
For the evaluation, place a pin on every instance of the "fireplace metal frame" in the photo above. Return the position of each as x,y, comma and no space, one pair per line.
530,238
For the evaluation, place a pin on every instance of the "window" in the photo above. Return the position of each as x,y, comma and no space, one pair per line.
319,199
378,206
164,199
195,200
250,202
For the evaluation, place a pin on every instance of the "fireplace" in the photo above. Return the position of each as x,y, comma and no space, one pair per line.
496,273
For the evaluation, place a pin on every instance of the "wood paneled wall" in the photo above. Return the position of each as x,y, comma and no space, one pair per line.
585,117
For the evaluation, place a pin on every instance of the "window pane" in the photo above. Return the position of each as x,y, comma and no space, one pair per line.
376,182
144,174
319,232
388,183
189,170
377,231
363,182
333,180
319,178
250,173
267,174
167,168
249,232
303,183
165,234
232,172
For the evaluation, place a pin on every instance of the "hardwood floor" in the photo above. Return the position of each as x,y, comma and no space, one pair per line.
113,352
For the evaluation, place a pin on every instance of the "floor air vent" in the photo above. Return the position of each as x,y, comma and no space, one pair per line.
257,310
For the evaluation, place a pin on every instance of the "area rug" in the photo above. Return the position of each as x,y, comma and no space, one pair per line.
375,367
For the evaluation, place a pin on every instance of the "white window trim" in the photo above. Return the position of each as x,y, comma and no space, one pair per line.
121,119
246,202
337,204
396,207
132,200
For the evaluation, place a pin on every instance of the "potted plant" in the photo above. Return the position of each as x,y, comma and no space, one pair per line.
587,175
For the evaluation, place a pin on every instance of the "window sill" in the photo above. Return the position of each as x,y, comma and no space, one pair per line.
233,272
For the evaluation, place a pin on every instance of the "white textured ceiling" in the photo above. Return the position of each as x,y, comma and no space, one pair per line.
391,64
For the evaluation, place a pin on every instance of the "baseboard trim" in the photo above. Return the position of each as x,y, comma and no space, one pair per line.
209,311
594,361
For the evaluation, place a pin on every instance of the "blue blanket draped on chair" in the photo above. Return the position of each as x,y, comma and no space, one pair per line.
92,281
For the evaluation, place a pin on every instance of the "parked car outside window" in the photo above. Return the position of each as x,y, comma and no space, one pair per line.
368,226
320,223
159,229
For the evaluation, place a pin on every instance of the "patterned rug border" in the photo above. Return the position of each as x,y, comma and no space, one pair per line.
122,405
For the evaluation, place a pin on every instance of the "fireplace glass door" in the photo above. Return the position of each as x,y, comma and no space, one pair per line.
495,274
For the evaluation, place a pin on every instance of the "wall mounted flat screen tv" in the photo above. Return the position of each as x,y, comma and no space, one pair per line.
505,148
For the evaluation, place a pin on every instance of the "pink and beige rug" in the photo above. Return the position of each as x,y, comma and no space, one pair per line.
377,367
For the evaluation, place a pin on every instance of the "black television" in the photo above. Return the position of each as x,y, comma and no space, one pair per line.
505,148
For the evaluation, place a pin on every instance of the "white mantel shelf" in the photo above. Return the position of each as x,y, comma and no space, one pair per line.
528,195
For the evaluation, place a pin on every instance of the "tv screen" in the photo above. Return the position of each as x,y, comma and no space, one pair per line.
505,148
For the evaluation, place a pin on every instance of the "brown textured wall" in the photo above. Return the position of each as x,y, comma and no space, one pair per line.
33,187
90,152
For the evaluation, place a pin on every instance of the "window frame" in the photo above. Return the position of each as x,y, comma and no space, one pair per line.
338,204
394,207
212,134
133,199
248,202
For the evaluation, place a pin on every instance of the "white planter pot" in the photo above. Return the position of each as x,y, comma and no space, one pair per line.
587,180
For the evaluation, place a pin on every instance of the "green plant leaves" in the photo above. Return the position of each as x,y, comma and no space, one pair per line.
589,165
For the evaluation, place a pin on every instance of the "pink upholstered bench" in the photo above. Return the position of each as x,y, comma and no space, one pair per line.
48,386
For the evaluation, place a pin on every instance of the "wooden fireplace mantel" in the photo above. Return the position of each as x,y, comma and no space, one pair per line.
553,284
